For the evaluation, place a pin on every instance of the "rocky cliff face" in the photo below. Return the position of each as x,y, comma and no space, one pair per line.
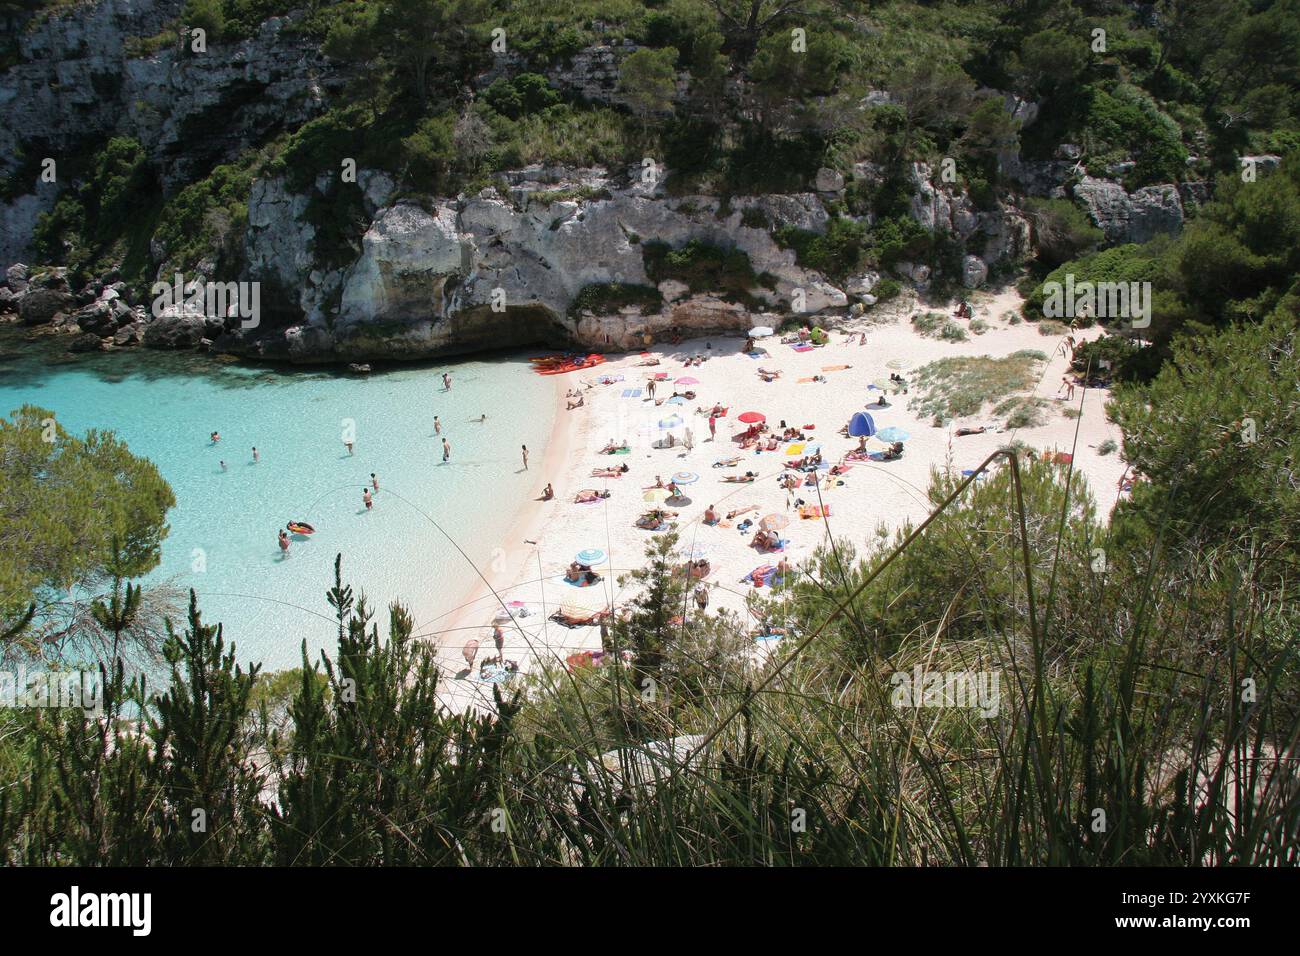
78,82
428,277
504,266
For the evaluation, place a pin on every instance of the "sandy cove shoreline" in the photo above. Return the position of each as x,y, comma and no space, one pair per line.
873,494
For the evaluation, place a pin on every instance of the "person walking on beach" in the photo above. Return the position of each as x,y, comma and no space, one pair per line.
713,427
374,482
1069,387
284,544
499,638
650,388
256,456
365,496
437,426
525,451
469,652
446,451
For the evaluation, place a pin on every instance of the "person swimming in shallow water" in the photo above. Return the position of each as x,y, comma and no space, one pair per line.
284,543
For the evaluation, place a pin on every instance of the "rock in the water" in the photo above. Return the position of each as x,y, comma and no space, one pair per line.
16,277
40,306
86,342
174,332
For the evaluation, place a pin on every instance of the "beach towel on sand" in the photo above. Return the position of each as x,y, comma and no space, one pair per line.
814,511
758,575
631,393
803,347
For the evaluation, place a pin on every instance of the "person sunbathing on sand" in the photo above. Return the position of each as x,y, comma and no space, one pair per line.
740,479
587,495
768,375
727,462
548,493
577,404
611,448
609,472
741,511
653,520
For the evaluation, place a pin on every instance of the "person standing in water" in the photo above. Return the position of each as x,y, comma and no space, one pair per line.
215,437
256,456
365,496
446,451
223,464
348,445
446,382
284,543
374,482
437,426
525,450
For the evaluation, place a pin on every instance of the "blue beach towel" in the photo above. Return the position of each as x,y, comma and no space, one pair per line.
631,393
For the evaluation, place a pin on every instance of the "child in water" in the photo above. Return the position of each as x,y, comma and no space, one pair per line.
365,496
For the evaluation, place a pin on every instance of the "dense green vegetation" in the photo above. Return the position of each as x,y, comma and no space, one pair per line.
1237,262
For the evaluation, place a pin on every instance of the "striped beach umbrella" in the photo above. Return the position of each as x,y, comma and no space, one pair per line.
591,556
685,478
892,434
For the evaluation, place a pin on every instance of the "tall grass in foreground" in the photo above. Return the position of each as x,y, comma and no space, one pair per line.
1146,715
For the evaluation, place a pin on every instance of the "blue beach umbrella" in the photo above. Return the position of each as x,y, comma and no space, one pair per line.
892,433
672,421
862,425
676,400
591,556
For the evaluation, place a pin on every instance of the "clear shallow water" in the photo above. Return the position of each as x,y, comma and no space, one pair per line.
165,407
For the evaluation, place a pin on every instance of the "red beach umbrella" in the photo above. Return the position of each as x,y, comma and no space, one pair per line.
752,418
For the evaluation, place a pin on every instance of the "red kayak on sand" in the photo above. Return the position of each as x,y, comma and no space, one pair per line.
558,364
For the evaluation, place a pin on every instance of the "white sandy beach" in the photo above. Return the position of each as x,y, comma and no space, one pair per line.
529,568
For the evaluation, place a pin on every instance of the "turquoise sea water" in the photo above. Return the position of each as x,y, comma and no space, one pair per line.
222,541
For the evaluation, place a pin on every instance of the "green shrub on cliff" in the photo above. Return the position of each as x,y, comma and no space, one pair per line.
702,267
605,298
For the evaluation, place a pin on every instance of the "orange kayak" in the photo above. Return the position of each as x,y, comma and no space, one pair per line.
557,365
